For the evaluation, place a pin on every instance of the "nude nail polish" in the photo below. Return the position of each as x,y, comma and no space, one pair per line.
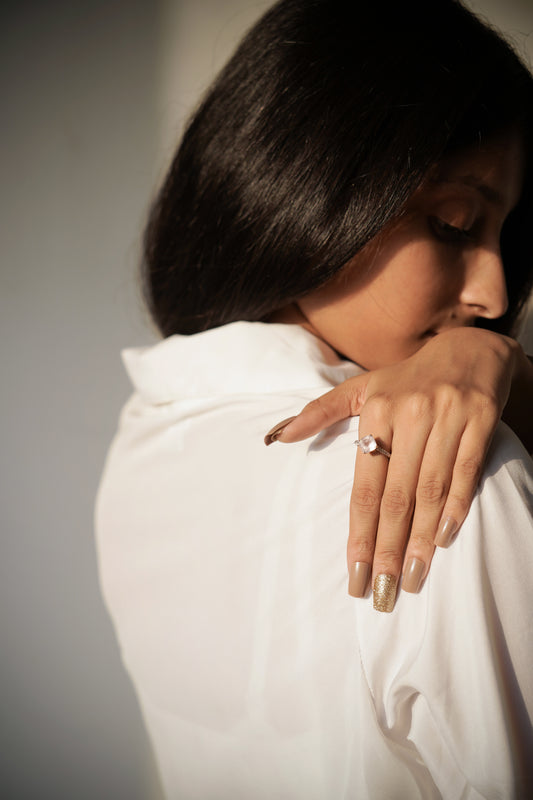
385,592
446,532
413,575
275,432
358,579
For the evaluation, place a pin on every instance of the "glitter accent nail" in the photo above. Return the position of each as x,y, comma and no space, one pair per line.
384,592
275,432
358,579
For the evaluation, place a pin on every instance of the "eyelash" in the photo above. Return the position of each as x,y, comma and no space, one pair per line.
449,233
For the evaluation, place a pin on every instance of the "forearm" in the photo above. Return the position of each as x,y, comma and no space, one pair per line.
518,412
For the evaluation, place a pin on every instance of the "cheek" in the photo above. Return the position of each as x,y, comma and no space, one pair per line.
380,316
417,283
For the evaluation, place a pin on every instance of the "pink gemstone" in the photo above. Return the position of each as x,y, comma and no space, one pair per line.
367,444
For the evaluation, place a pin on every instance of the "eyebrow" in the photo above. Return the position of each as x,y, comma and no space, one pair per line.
490,194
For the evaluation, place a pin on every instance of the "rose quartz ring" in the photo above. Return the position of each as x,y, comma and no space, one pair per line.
369,445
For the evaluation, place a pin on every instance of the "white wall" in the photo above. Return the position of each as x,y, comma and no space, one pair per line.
79,134
94,94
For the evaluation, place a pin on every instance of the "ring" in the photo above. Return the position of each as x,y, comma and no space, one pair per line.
369,445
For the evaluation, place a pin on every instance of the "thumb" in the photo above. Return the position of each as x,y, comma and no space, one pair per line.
345,400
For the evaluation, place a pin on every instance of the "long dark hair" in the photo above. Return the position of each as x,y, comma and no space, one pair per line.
312,138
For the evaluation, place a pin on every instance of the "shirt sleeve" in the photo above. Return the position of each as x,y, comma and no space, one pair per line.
450,669
223,566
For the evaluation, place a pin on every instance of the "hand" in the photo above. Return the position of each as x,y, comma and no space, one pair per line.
436,412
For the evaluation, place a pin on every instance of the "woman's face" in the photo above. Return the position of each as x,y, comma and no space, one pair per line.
438,267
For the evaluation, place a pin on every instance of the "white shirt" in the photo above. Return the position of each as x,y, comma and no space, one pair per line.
223,564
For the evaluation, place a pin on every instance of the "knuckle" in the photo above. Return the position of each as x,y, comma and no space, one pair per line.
431,491
365,499
457,504
354,392
487,406
320,407
419,405
396,502
487,401
470,468
378,409
447,394
388,558
361,546
418,543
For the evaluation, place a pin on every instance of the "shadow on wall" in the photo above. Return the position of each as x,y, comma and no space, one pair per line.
78,153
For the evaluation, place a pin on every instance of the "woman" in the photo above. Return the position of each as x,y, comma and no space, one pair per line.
353,194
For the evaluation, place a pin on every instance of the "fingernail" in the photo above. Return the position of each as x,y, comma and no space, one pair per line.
358,579
384,592
413,575
446,532
275,432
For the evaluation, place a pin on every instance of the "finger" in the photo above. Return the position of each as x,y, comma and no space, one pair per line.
396,509
369,480
345,400
431,492
467,471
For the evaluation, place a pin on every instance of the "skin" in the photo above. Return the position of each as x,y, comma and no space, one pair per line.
423,275
404,308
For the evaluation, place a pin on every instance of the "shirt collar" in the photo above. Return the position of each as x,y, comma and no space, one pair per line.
239,358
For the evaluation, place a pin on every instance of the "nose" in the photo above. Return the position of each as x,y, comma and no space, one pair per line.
484,289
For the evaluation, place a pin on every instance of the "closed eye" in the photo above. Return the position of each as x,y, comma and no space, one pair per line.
449,233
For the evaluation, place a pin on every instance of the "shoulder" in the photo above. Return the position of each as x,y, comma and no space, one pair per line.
507,463
239,358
